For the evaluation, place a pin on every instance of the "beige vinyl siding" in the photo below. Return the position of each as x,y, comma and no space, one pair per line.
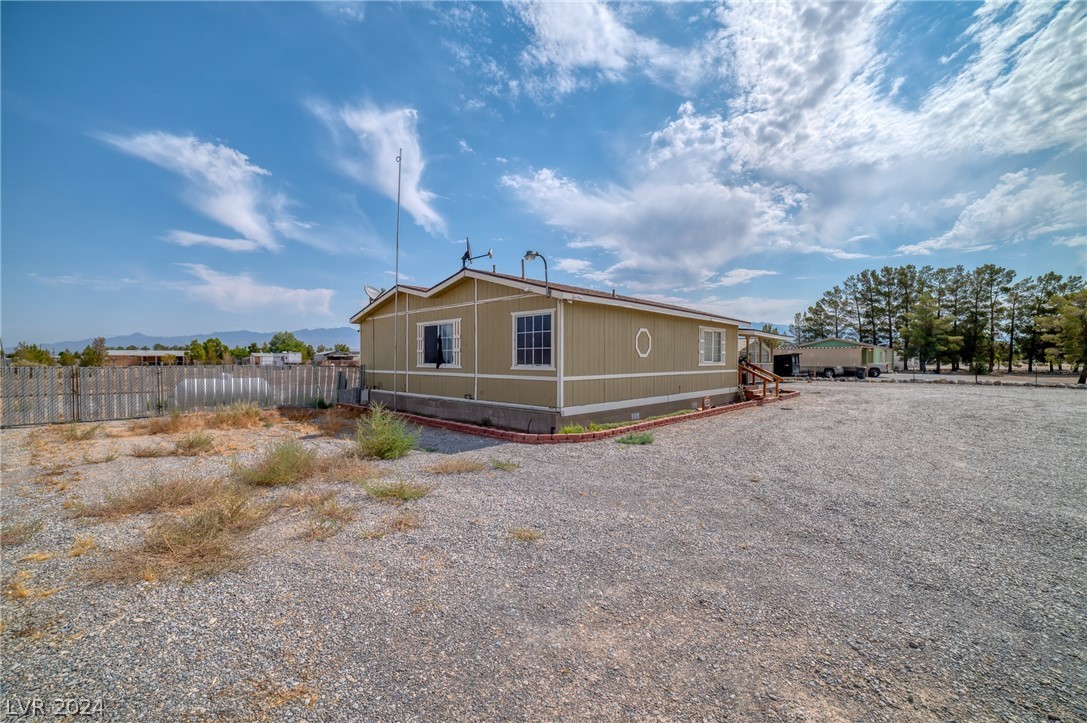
601,341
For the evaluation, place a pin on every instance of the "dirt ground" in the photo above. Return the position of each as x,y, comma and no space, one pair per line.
875,552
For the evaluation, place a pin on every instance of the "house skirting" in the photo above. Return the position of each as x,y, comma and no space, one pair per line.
542,420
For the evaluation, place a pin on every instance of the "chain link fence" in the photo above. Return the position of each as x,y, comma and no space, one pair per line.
48,395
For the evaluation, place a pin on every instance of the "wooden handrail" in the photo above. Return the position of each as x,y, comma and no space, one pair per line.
765,376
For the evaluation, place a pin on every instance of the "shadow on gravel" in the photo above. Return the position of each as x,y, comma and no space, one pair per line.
443,441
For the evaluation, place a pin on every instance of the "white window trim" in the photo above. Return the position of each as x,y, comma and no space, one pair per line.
702,346
419,364
513,340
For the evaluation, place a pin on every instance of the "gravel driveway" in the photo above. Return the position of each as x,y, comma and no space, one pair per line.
863,552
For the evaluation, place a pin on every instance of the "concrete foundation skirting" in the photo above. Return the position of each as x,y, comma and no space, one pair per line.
527,438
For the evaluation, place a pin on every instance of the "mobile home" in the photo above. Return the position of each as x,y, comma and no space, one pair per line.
526,354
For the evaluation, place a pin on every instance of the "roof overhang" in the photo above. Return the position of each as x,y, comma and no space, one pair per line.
532,286
769,335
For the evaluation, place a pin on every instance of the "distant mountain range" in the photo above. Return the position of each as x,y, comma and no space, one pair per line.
314,337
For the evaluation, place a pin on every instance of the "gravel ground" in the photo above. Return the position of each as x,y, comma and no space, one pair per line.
864,552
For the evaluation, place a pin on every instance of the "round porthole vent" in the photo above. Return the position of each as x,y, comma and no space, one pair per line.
643,343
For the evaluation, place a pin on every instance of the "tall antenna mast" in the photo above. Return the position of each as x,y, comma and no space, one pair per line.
396,294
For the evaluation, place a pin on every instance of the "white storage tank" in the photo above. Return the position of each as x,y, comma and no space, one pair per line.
224,389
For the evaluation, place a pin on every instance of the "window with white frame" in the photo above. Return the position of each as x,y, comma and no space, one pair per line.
438,344
532,340
711,346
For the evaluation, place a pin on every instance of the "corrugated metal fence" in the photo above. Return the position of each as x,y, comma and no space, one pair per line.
45,395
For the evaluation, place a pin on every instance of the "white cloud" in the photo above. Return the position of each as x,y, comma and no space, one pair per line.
749,308
368,141
738,276
573,266
343,10
240,293
663,234
817,152
1021,207
464,147
575,44
95,283
223,184
186,238
1072,241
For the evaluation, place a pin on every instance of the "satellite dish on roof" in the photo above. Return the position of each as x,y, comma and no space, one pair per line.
371,292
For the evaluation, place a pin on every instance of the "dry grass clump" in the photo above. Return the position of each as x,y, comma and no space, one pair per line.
82,545
344,468
16,532
168,494
237,416
506,465
107,457
38,556
152,450
194,444
337,422
77,433
525,534
396,492
456,465
326,519
17,587
174,422
203,542
402,522
283,464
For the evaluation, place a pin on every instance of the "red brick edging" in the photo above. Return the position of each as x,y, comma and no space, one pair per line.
525,438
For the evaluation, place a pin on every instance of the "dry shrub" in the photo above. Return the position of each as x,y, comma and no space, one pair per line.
16,532
203,542
285,463
382,434
456,465
165,495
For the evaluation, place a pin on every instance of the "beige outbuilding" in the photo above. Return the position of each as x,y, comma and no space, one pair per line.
524,354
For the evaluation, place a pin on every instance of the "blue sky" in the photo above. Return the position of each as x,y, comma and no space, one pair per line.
187,167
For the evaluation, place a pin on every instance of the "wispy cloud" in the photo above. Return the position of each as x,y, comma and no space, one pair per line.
737,276
464,147
367,142
222,183
344,10
1021,207
187,238
241,293
95,283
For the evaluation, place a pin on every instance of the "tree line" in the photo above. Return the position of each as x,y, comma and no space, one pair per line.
209,351
951,316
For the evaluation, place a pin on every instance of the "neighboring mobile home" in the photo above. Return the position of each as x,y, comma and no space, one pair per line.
524,354
842,357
